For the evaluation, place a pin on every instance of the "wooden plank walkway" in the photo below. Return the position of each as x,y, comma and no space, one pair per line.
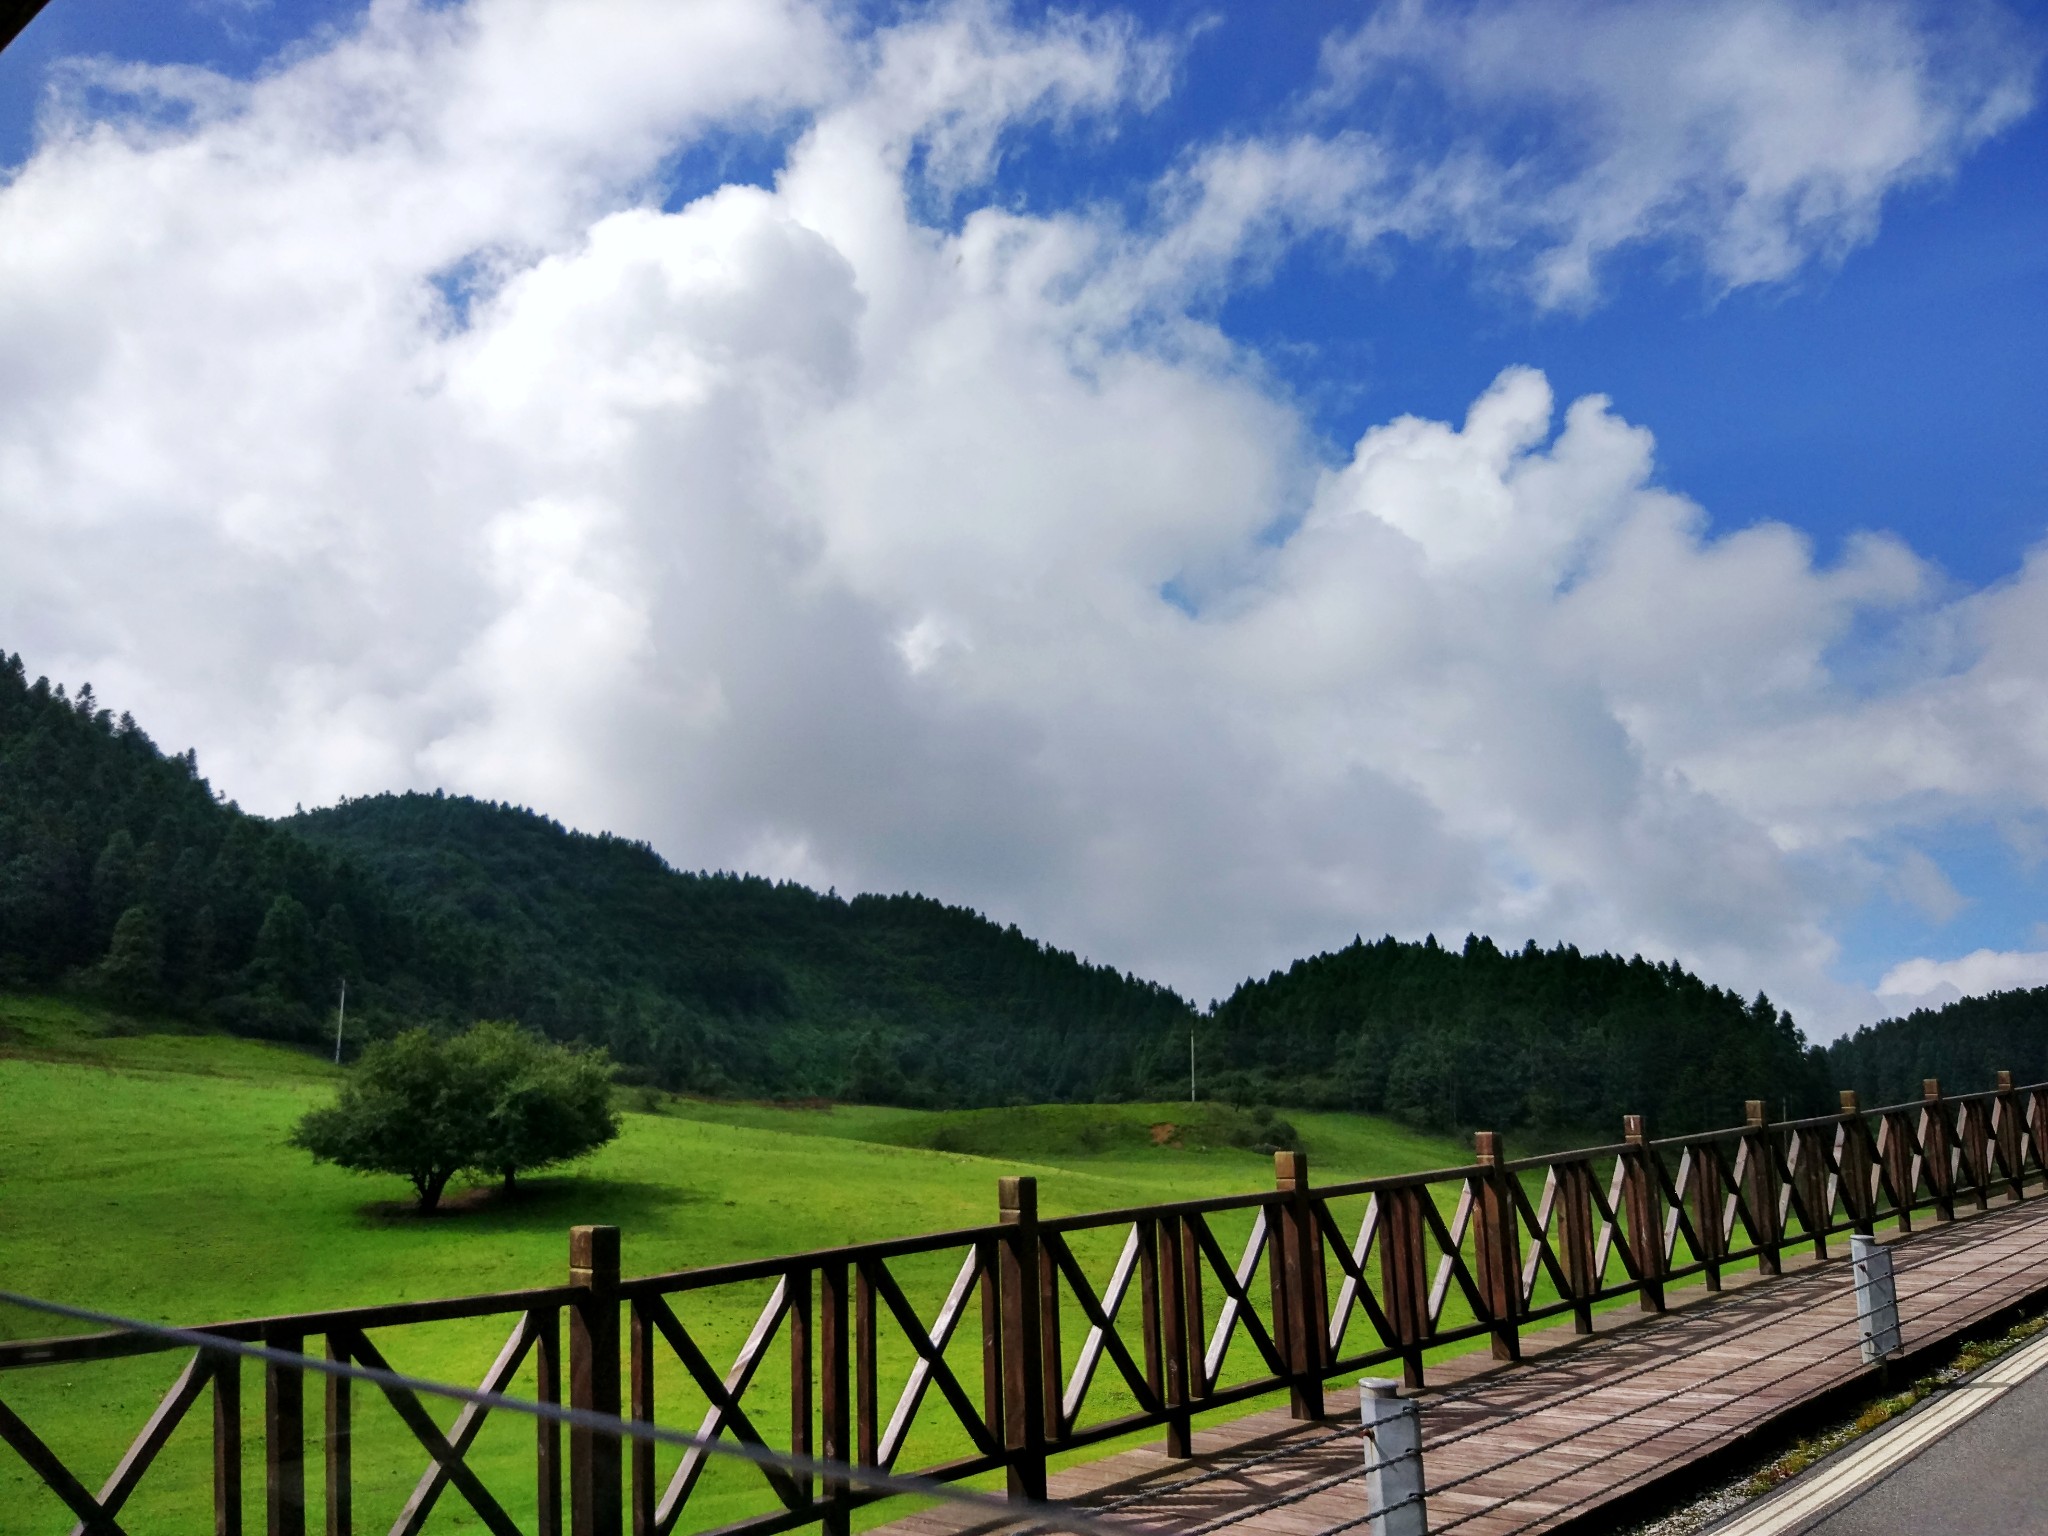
1584,1421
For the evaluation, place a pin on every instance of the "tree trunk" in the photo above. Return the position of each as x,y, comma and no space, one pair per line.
510,1175
430,1191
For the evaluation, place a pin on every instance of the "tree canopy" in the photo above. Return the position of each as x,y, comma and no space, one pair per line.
1965,1044
1552,1040
495,1100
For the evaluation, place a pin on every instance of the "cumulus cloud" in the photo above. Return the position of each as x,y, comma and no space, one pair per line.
370,425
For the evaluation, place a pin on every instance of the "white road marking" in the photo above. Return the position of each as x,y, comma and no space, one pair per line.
1805,1498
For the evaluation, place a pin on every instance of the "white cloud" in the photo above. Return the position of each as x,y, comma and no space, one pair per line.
1756,135
1930,983
856,529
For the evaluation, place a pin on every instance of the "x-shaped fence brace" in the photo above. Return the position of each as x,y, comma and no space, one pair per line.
98,1515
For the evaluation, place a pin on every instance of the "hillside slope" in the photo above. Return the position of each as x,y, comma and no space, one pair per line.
123,875
725,982
121,871
1519,1038
1964,1044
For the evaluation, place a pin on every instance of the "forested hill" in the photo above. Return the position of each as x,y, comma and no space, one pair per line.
733,982
1965,1044
122,873
1528,1038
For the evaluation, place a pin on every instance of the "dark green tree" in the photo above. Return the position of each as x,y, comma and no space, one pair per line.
287,959
409,1107
114,879
494,1099
547,1104
133,970
873,1075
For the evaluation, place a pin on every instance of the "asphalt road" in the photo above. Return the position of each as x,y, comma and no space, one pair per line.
1988,1475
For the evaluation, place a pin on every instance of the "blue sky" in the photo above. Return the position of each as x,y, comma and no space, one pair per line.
1105,341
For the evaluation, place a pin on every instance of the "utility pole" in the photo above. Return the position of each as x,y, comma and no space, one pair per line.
1191,1063
340,1014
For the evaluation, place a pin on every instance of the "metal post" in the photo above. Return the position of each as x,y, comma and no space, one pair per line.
1877,1303
1393,1459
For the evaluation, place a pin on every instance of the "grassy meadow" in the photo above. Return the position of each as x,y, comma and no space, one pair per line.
143,1171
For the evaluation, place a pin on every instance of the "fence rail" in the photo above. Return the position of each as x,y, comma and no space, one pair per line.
1034,1348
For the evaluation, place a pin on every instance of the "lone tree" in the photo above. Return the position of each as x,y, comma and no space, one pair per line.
494,1099
548,1104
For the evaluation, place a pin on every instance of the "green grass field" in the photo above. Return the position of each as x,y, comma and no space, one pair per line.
143,1171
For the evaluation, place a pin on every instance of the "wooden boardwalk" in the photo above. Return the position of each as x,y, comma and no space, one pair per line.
1584,1422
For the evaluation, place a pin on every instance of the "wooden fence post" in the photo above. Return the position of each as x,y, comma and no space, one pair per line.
1575,1237
1295,1285
1709,1198
284,1440
2005,1130
1644,1203
1760,1171
595,1502
641,1489
835,1407
547,1448
803,1373
2037,1128
1194,1315
1853,1157
1280,1287
340,1445
1173,1337
867,1370
1497,1246
1151,1305
1023,1369
988,1256
1937,1157
1895,1152
1404,1274
227,1444
1811,1177
1976,1129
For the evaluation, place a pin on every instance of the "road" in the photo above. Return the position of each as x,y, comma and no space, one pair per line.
1971,1459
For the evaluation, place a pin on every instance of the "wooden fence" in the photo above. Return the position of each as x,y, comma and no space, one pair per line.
1356,1275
